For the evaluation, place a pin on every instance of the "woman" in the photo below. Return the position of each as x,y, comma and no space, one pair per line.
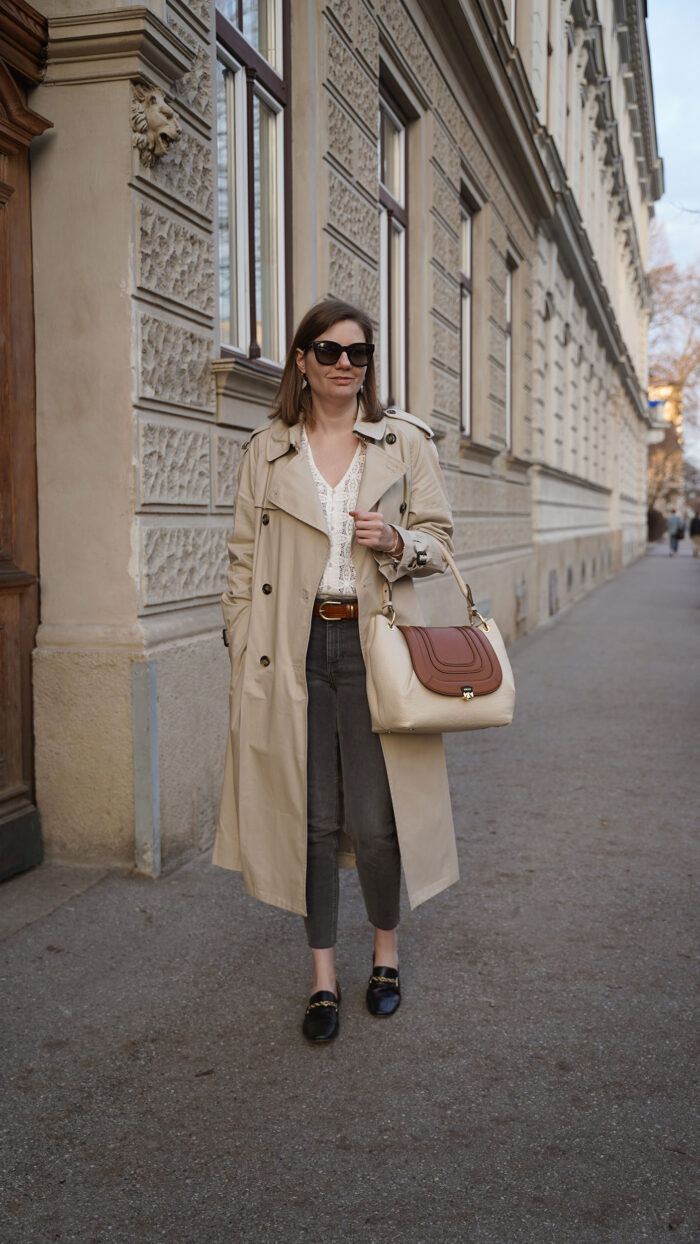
335,496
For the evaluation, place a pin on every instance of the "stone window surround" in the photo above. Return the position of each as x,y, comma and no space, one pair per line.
234,362
396,221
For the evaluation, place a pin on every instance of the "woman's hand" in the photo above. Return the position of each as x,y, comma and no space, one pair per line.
374,533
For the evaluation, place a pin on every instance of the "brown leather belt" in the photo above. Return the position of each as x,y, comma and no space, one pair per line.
335,610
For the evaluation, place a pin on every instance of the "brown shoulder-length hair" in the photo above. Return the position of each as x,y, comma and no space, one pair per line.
293,402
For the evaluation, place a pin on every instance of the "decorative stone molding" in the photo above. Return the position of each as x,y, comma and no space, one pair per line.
245,391
352,215
445,393
402,33
154,123
175,261
175,364
228,454
341,272
368,290
182,563
175,468
198,9
194,90
188,179
113,45
351,81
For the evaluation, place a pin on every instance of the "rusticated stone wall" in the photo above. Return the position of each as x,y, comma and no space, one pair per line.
185,464
446,144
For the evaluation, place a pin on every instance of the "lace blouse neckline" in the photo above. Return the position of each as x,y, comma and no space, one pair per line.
332,487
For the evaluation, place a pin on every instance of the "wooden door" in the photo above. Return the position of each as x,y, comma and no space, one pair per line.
23,38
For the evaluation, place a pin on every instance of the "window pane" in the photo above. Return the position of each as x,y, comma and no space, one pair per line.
466,243
391,154
509,358
260,19
398,314
226,163
466,362
229,8
266,201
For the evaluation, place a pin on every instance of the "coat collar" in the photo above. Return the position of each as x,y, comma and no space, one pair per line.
283,438
293,489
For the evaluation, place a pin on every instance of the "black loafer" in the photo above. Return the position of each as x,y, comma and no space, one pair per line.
383,991
321,1019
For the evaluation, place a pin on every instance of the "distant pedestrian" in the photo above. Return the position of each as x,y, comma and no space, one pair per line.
676,529
336,497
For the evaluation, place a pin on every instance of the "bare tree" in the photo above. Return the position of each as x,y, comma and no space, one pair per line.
674,335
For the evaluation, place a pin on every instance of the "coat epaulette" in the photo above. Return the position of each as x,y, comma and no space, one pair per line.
255,431
393,412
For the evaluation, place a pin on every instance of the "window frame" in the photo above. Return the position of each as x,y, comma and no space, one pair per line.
508,333
258,78
393,221
466,301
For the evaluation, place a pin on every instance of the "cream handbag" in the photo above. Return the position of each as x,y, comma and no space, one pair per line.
431,679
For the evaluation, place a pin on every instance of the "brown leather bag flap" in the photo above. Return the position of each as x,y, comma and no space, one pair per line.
453,660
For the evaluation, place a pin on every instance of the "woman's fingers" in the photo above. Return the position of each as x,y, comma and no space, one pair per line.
371,529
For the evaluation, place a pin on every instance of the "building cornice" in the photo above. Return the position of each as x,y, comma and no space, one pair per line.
472,39
631,31
115,45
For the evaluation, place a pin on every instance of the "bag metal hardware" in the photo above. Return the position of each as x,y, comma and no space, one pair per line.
467,693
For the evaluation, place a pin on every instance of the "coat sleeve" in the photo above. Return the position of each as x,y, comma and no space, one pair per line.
428,527
236,599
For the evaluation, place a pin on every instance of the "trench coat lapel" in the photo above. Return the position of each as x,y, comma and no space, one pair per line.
381,471
292,488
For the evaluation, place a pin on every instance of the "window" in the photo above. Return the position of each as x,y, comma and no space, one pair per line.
509,355
511,20
465,315
393,221
251,96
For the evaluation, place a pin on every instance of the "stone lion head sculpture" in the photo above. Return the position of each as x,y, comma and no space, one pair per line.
154,123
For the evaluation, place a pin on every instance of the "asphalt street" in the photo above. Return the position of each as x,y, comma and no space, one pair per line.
537,1083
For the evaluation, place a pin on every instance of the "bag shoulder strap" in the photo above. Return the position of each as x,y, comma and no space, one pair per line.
475,618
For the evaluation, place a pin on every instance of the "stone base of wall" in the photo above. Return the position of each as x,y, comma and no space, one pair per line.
130,751
84,754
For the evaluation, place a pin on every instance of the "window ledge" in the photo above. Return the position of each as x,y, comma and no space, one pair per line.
480,453
245,390
514,463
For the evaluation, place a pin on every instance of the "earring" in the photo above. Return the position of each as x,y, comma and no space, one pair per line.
304,381
361,388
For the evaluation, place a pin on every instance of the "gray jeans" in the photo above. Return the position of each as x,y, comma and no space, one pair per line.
347,786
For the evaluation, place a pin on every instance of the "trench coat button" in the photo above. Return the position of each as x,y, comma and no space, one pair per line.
265,519
244,446
391,438
264,660
402,508
267,588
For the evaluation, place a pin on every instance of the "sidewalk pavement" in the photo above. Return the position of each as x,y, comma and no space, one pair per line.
536,1083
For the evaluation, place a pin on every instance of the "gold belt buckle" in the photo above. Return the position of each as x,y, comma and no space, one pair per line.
322,606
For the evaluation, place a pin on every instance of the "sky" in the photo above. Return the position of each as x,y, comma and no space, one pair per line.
673,28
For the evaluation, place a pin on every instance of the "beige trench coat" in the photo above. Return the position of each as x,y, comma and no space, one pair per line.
278,553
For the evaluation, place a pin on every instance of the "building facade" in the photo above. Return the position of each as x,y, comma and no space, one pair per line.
479,176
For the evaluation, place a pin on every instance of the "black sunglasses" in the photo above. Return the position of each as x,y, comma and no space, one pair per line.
329,352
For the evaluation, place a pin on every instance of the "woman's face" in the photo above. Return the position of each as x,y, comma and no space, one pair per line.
336,381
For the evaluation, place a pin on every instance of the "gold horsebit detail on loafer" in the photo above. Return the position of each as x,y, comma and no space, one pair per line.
312,1006
384,980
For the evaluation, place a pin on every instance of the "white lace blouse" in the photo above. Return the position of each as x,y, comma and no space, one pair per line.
339,574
